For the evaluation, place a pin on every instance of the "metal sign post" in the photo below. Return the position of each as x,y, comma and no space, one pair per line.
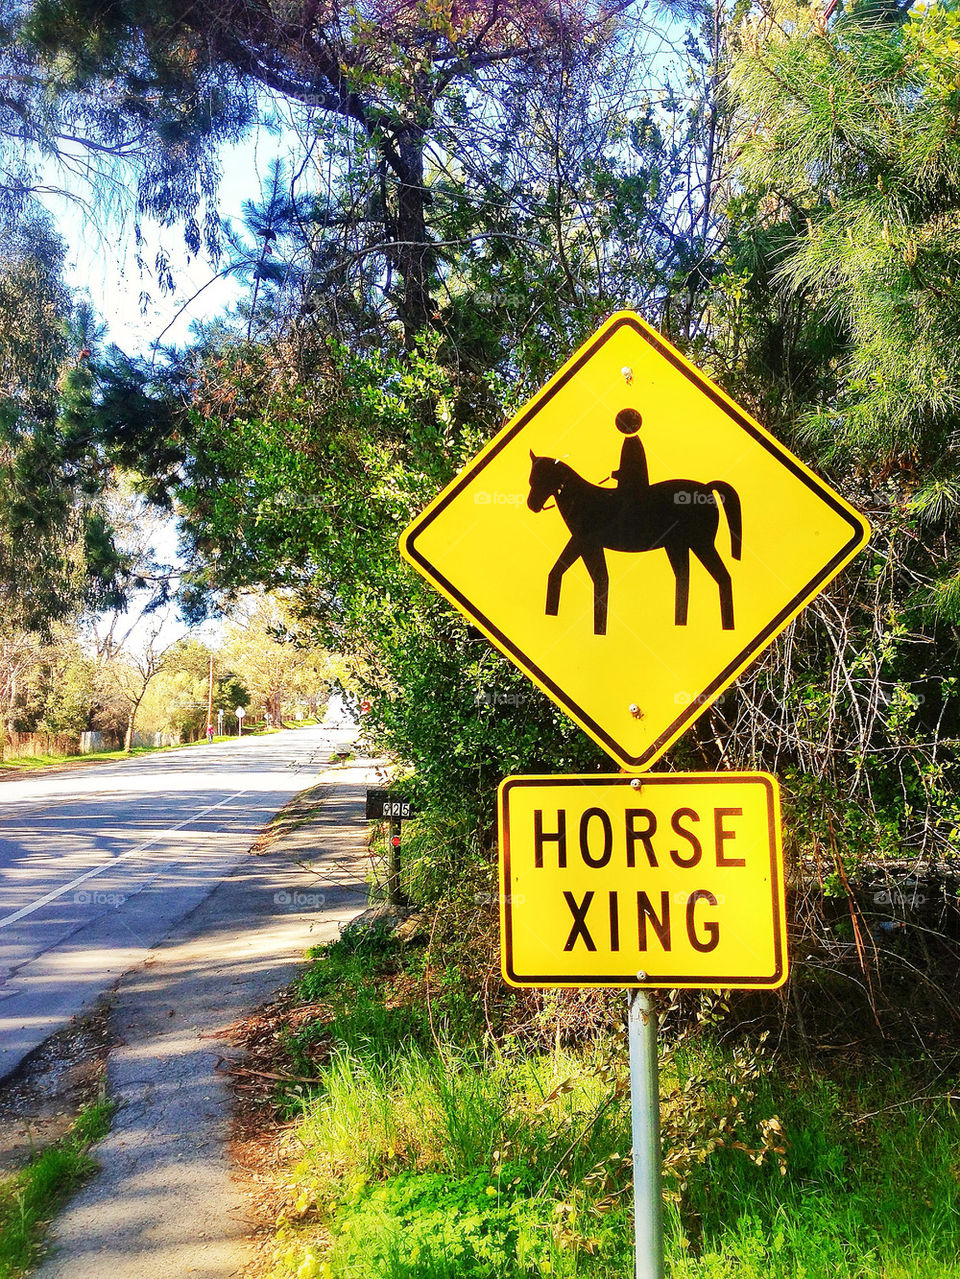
393,875
384,805
645,1122
210,703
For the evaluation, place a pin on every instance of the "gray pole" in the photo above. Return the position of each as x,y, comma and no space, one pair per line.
645,1118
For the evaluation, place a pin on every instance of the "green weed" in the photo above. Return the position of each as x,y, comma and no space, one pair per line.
426,1155
29,1197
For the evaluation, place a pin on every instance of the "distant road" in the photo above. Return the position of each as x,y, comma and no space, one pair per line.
97,864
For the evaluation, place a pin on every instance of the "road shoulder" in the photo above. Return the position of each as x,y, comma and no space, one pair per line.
165,1203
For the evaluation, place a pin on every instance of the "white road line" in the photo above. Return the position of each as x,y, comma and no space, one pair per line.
98,870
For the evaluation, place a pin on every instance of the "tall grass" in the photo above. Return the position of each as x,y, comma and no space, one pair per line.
423,1157
454,1109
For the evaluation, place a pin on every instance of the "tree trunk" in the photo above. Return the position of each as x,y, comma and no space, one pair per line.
128,738
412,255
6,720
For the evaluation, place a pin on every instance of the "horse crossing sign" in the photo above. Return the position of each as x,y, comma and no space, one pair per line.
672,880
632,539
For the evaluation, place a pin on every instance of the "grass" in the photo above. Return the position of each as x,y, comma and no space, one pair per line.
55,761
30,1197
870,1191
50,761
433,1152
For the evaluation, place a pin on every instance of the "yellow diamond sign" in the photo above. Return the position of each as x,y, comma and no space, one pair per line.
632,539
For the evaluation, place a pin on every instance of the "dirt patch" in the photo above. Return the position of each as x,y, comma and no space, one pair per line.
295,813
44,1095
261,1142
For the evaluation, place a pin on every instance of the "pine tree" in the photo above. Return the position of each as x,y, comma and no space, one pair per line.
57,555
853,130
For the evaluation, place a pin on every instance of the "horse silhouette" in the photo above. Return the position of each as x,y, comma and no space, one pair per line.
677,516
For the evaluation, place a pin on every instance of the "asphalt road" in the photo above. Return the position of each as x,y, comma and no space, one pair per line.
98,864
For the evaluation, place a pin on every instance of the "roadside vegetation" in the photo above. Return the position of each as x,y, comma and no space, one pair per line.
436,1143
32,763
32,1195
87,682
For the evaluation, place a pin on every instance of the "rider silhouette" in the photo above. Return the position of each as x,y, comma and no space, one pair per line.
678,516
631,476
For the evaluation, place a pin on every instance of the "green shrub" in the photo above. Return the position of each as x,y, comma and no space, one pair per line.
435,1226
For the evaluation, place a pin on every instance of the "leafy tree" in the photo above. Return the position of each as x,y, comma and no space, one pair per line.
125,676
56,551
130,129
18,658
832,315
272,662
229,692
311,446
45,687
177,699
65,682
853,128
376,80
308,493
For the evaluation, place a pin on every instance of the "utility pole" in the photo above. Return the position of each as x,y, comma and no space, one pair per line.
210,703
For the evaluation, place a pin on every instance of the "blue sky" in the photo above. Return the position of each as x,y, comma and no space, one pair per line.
102,254
102,265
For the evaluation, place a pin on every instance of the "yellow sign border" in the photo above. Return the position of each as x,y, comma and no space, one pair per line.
860,534
662,981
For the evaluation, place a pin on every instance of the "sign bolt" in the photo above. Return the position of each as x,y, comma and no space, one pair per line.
641,975
627,372
635,783
634,710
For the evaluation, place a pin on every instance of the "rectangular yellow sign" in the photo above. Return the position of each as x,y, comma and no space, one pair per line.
663,880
